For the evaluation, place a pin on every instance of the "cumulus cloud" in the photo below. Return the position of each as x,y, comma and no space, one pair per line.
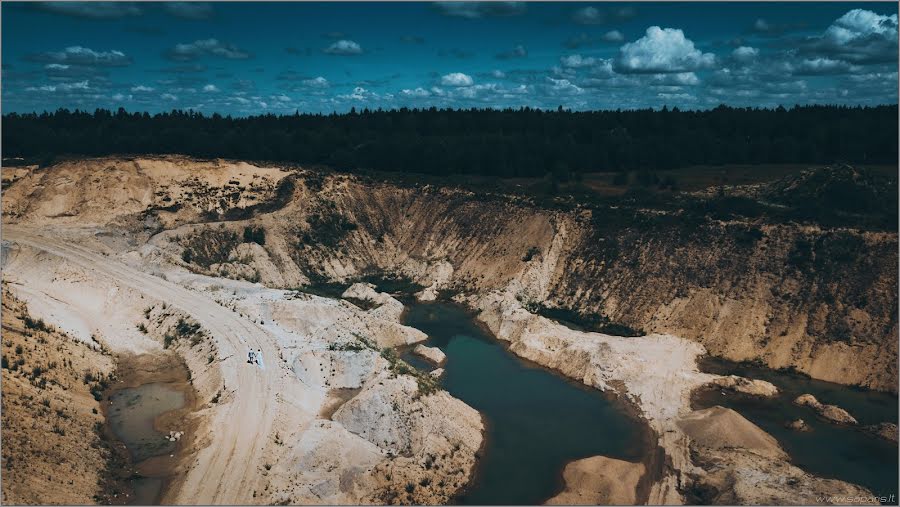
211,88
661,50
78,55
189,10
91,10
745,54
206,47
498,74
343,47
141,88
517,52
168,96
859,36
456,79
475,10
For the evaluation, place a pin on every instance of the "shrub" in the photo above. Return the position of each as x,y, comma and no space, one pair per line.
36,324
255,235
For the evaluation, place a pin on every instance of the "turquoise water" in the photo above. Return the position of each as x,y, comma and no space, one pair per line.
537,421
839,452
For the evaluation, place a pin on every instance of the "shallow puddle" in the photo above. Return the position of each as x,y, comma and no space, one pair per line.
131,416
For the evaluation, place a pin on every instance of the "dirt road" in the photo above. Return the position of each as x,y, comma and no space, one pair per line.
226,471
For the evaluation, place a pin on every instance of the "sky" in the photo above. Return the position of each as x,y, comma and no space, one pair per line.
243,58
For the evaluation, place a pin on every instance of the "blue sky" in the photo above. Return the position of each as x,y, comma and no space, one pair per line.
250,58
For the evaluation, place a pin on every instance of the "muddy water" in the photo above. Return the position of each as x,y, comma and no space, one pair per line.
132,416
153,394
537,421
828,450
133,412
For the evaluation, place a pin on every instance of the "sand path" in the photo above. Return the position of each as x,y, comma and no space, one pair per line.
226,471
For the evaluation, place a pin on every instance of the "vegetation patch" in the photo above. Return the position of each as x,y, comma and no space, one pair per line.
208,246
580,321
427,384
255,235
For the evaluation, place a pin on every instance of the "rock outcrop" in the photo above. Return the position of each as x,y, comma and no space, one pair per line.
432,354
753,387
887,431
798,425
832,413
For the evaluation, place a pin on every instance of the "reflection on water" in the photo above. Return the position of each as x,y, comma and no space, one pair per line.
537,421
828,450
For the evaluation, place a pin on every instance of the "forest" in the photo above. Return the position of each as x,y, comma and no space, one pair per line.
504,143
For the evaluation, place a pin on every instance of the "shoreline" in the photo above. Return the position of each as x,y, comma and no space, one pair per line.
649,449
137,370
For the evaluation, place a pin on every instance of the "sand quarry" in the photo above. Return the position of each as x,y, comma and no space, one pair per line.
331,419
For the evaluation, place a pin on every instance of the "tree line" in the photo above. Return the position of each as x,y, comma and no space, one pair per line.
521,142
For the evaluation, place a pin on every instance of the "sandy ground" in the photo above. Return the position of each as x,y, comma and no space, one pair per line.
599,480
264,440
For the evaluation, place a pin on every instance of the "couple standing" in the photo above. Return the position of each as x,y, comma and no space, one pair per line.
254,356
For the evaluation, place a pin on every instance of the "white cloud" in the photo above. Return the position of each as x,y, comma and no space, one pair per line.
62,87
316,82
168,96
359,93
211,88
79,55
141,88
683,97
343,48
822,66
860,23
119,97
204,47
576,61
680,79
745,54
563,87
415,93
613,36
662,50
499,74
456,79
859,36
